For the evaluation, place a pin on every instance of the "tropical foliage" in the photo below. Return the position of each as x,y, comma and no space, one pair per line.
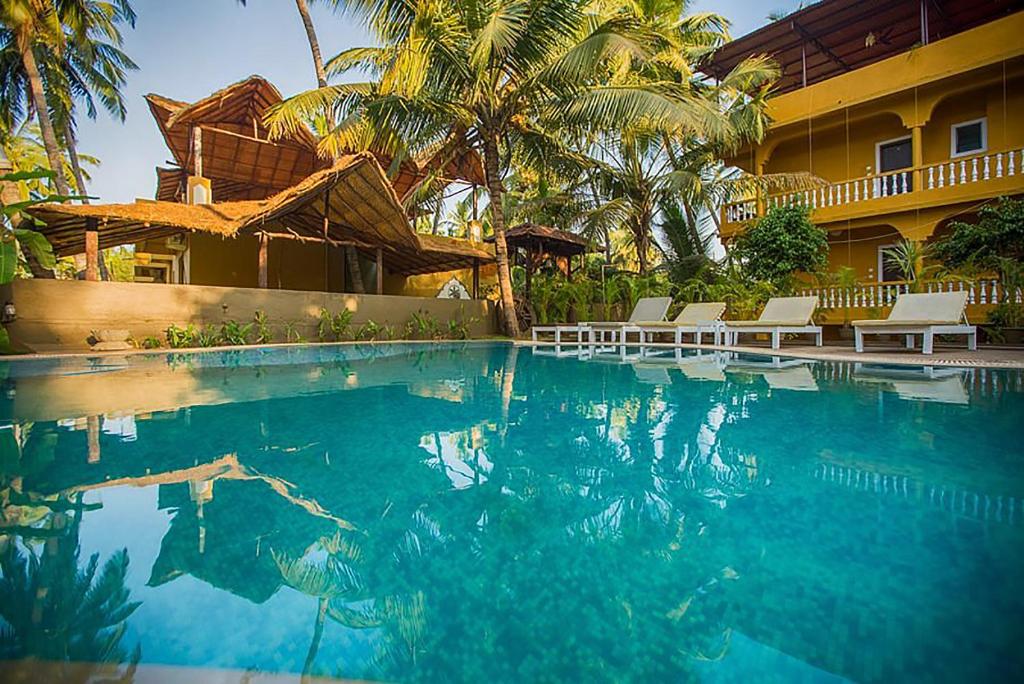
781,243
993,243
537,83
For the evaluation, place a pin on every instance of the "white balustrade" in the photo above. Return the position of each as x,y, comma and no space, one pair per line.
950,173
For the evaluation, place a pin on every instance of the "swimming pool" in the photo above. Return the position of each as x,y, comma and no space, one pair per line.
485,512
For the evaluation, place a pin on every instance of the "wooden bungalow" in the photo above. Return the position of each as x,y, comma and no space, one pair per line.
238,209
294,239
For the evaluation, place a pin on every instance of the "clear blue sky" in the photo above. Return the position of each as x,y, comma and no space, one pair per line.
186,49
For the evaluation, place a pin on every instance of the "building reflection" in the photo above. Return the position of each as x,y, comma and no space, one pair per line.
513,495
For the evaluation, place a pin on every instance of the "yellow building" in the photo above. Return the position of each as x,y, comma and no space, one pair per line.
911,112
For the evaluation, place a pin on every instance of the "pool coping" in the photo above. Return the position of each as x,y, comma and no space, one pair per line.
879,355
886,355
36,356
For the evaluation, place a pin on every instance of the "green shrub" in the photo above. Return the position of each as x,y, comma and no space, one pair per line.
208,337
264,334
151,342
372,331
234,333
179,338
783,242
291,332
340,324
423,326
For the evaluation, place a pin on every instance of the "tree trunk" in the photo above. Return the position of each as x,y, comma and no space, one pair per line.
508,305
352,261
76,168
53,154
314,644
314,44
640,242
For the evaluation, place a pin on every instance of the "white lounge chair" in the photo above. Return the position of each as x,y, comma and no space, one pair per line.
780,315
696,318
926,314
646,309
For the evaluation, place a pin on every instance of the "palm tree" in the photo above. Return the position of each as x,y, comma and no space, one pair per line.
495,78
90,66
27,25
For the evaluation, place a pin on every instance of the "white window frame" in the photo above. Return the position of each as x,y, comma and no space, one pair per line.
883,143
881,262
953,154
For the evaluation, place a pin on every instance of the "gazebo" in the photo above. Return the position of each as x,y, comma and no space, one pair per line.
530,243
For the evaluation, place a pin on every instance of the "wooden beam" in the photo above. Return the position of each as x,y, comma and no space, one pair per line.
197,150
316,240
264,245
92,251
476,278
380,271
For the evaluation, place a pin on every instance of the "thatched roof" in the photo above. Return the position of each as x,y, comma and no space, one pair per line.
545,239
357,199
238,156
242,163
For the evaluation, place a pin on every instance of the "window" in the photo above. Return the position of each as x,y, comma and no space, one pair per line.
887,271
969,137
894,155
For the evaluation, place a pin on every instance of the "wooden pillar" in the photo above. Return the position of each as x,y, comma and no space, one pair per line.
92,424
327,245
380,271
529,272
476,278
264,248
92,251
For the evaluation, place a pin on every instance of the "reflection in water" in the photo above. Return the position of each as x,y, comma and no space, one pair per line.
485,512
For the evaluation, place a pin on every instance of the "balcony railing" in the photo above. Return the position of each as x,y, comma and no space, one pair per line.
872,295
955,172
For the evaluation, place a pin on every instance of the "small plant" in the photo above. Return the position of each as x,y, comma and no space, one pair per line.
340,324
234,333
323,325
207,337
458,328
291,332
151,342
372,331
423,326
264,334
179,338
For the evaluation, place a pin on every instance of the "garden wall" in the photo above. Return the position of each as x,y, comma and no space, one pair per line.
55,315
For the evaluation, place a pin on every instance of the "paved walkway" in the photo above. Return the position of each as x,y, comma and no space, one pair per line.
985,357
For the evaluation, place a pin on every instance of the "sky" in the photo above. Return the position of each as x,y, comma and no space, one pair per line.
187,49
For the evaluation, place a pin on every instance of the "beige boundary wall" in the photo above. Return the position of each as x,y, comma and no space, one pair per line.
56,315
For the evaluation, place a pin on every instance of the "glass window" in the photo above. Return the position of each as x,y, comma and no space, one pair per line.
969,138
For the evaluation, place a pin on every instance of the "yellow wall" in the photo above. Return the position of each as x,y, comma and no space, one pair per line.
291,265
831,130
55,315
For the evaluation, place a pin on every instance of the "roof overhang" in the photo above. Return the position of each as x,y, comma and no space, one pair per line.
832,37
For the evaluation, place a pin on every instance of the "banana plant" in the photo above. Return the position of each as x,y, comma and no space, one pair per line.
15,237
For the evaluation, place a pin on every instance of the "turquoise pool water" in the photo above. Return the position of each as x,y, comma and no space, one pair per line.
483,513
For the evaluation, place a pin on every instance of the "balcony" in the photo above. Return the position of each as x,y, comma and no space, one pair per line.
952,181
835,303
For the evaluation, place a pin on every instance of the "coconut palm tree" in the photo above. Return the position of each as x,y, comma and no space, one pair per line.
90,67
497,78
26,26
